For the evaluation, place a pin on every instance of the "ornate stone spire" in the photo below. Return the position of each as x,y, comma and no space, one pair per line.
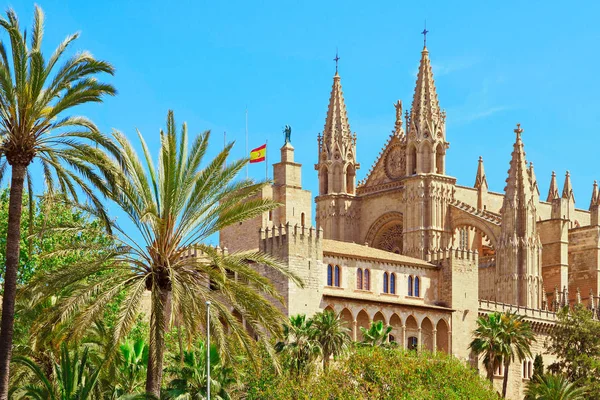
337,128
425,115
398,130
480,179
534,186
567,192
594,200
518,182
553,191
518,273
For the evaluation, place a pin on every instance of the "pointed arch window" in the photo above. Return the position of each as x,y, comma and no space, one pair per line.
330,275
410,285
417,288
393,283
336,276
359,278
386,279
367,280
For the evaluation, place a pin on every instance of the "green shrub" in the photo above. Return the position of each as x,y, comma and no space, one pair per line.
377,373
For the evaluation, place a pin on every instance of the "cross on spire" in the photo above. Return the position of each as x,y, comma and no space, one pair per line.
424,33
336,59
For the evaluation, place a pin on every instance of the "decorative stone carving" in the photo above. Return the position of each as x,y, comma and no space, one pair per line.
395,162
390,239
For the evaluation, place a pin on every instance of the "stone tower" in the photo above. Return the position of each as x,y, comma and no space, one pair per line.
336,208
518,275
428,191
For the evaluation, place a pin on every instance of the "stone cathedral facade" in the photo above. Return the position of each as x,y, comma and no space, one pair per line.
410,246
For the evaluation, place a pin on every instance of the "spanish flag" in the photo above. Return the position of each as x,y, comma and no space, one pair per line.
258,154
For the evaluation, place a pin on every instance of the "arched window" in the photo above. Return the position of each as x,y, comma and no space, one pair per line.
359,278
324,181
393,283
439,159
329,275
302,219
464,238
336,276
386,278
417,280
392,338
413,343
271,215
410,285
412,160
367,280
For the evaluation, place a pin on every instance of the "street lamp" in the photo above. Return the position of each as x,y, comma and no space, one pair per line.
208,350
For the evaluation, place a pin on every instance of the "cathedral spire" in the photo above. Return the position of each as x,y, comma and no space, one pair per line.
567,192
480,179
553,191
594,200
425,112
337,128
518,180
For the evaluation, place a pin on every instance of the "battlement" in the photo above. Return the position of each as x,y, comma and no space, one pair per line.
196,251
541,319
279,240
437,257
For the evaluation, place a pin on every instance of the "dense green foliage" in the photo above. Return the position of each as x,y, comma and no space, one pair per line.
575,341
554,387
377,373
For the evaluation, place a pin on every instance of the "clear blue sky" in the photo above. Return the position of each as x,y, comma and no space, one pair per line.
495,64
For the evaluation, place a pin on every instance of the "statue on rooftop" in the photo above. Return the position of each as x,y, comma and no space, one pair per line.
288,134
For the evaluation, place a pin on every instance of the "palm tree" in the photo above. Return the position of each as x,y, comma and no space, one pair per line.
376,335
35,93
73,378
488,342
517,337
331,333
130,368
190,378
174,208
553,387
299,344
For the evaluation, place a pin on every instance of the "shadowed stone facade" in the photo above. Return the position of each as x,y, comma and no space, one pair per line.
409,246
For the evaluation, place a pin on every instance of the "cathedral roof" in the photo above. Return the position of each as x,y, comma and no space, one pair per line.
337,248
336,122
425,105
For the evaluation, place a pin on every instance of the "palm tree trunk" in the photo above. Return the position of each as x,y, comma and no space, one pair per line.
505,379
13,247
156,350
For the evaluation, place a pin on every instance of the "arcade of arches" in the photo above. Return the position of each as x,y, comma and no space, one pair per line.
412,329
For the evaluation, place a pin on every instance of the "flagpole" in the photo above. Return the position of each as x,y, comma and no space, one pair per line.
208,349
266,159
247,166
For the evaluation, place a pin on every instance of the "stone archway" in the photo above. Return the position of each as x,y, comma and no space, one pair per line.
386,233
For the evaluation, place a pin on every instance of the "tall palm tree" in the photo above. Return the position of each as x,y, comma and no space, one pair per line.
376,335
73,378
35,94
553,387
487,341
299,344
517,337
174,208
331,333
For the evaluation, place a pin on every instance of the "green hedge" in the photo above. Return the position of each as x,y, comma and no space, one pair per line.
377,373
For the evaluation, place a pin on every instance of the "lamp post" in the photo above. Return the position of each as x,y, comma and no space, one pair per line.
208,350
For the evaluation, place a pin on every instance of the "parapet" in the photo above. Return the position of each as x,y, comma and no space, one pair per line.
450,254
279,240
197,251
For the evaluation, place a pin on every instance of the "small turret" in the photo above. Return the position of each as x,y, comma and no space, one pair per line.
553,191
594,206
480,183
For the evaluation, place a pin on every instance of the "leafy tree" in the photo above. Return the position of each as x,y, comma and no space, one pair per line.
190,378
538,366
332,334
516,338
553,387
487,342
576,344
73,378
376,335
299,344
174,208
35,93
